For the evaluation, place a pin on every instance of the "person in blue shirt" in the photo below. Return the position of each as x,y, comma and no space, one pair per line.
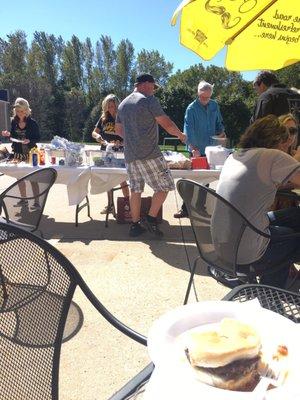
202,121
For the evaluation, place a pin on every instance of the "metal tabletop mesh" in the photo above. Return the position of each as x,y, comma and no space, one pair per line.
278,300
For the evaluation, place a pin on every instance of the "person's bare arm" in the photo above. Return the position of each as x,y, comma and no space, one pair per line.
167,124
119,129
295,179
96,135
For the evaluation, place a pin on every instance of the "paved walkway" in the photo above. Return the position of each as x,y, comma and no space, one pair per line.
137,279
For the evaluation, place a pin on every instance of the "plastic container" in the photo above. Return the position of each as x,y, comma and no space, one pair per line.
199,163
34,159
216,155
42,158
34,156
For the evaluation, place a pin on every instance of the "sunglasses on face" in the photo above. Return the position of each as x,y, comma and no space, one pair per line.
293,130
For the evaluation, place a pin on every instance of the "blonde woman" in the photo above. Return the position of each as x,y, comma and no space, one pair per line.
105,128
24,130
104,133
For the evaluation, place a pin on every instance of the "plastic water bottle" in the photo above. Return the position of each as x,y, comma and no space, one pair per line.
34,157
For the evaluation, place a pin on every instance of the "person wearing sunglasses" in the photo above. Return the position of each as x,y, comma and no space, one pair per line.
284,197
290,122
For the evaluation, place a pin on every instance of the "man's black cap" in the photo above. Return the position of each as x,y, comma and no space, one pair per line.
146,78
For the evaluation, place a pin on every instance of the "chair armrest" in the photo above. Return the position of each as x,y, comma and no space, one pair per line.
133,385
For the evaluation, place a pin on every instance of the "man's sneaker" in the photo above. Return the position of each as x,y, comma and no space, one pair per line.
21,203
181,214
106,210
136,229
153,228
35,206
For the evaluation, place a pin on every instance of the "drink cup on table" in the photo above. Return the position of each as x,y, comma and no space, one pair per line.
199,163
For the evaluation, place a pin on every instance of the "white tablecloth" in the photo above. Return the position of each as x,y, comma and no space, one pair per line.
101,179
104,179
75,178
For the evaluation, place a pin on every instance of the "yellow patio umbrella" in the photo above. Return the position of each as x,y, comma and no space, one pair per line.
260,34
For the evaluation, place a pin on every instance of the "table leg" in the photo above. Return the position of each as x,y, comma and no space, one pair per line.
80,207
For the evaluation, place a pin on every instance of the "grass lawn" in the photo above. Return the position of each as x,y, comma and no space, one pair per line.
180,148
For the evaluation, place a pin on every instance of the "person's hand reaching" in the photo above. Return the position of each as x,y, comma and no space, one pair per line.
196,153
182,137
5,133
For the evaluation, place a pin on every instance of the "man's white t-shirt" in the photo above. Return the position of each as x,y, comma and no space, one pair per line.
249,181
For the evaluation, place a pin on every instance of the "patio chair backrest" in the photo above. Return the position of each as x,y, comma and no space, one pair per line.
217,225
23,202
37,284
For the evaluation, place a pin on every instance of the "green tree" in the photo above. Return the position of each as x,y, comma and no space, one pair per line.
75,114
90,122
290,75
13,64
72,64
154,63
124,68
46,94
106,63
91,75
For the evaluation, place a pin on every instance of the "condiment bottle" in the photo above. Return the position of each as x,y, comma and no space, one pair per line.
30,156
35,156
42,155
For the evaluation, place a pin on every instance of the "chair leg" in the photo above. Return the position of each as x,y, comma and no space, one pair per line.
187,294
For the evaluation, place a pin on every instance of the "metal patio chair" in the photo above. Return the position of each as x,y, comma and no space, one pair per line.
23,202
37,284
218,229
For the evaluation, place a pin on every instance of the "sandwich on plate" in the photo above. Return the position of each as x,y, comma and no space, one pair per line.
228,357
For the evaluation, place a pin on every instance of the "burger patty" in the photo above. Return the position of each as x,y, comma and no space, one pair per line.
233,370
236,369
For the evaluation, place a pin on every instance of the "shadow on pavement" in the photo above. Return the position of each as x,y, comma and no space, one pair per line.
177,248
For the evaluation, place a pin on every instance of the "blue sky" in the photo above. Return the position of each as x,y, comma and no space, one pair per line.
146,23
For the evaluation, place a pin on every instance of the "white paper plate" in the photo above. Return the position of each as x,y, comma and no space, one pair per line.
16,140
221,139
174,374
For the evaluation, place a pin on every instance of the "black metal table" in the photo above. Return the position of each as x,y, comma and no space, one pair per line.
278,300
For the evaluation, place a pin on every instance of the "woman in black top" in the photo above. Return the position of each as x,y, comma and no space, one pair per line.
24,134
104,133
24,130
105,128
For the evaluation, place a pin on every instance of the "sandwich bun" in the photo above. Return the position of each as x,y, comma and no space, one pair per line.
233,341
227,357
